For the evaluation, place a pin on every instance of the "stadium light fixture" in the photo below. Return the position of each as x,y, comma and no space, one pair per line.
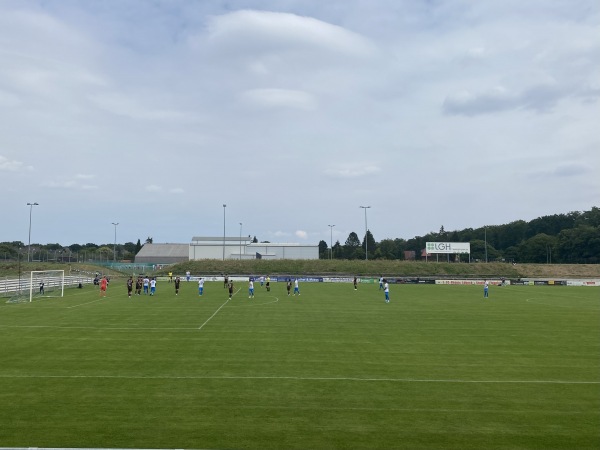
331,241
366,231
115,244
31,205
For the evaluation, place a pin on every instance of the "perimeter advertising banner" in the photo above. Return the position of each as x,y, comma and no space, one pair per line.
453,248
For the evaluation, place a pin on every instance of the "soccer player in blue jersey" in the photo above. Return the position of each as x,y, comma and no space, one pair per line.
250,288
386,290
296,287
486,288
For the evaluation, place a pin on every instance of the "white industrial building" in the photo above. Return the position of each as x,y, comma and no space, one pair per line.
223,248
244,248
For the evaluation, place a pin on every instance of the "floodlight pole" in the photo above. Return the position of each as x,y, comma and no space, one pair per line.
331,241
485,241
31,205
115,245
240,241
224,206
366,231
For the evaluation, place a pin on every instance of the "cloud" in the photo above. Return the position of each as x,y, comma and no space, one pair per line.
82,176
540,98
123,105
66,184
301,234
571,169
154,188
280,98
352,170
176,191
267,31
12,165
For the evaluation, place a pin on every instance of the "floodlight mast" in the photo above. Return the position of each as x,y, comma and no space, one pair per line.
366,231
224,206
31,205
115,244
331,241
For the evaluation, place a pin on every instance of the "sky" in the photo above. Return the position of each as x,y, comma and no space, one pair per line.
294,114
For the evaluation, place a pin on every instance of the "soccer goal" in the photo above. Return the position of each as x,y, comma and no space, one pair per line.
46,283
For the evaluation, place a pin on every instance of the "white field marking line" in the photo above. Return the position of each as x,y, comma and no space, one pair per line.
86,303
219,309
98,328
296,378
255,304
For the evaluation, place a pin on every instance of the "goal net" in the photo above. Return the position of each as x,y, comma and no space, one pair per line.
46,283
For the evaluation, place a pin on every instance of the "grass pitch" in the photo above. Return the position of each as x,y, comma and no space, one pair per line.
438,367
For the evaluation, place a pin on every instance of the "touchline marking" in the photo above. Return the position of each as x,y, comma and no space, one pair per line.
388,380
215,313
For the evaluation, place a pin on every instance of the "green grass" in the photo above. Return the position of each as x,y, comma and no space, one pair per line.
438,367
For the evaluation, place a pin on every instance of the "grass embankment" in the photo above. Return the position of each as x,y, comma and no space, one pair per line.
335,267
388,268
11,268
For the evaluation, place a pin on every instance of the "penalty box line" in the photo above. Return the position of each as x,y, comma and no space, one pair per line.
297,378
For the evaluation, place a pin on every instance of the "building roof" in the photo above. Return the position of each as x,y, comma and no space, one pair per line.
220,239
164,250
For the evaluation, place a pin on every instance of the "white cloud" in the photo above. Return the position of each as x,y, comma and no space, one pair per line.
301,234
154,188
281,98
10,165
267,30
354,170
176,191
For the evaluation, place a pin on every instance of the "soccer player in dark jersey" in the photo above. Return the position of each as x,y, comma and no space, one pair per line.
138,286
129,286
225,281
230,285
177,281
289,286
355,284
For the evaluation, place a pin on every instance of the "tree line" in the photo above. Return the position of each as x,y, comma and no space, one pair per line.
572,238
10,251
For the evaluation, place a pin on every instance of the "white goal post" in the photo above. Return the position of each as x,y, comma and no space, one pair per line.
46,283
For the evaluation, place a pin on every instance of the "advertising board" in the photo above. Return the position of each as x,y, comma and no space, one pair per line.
448,247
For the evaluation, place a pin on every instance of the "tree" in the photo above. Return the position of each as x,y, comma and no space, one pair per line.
338,251
579,245
148,240
372,245
352,243
323,253
138,246
387,249
537,249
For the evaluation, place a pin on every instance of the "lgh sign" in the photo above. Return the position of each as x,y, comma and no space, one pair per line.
448,247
